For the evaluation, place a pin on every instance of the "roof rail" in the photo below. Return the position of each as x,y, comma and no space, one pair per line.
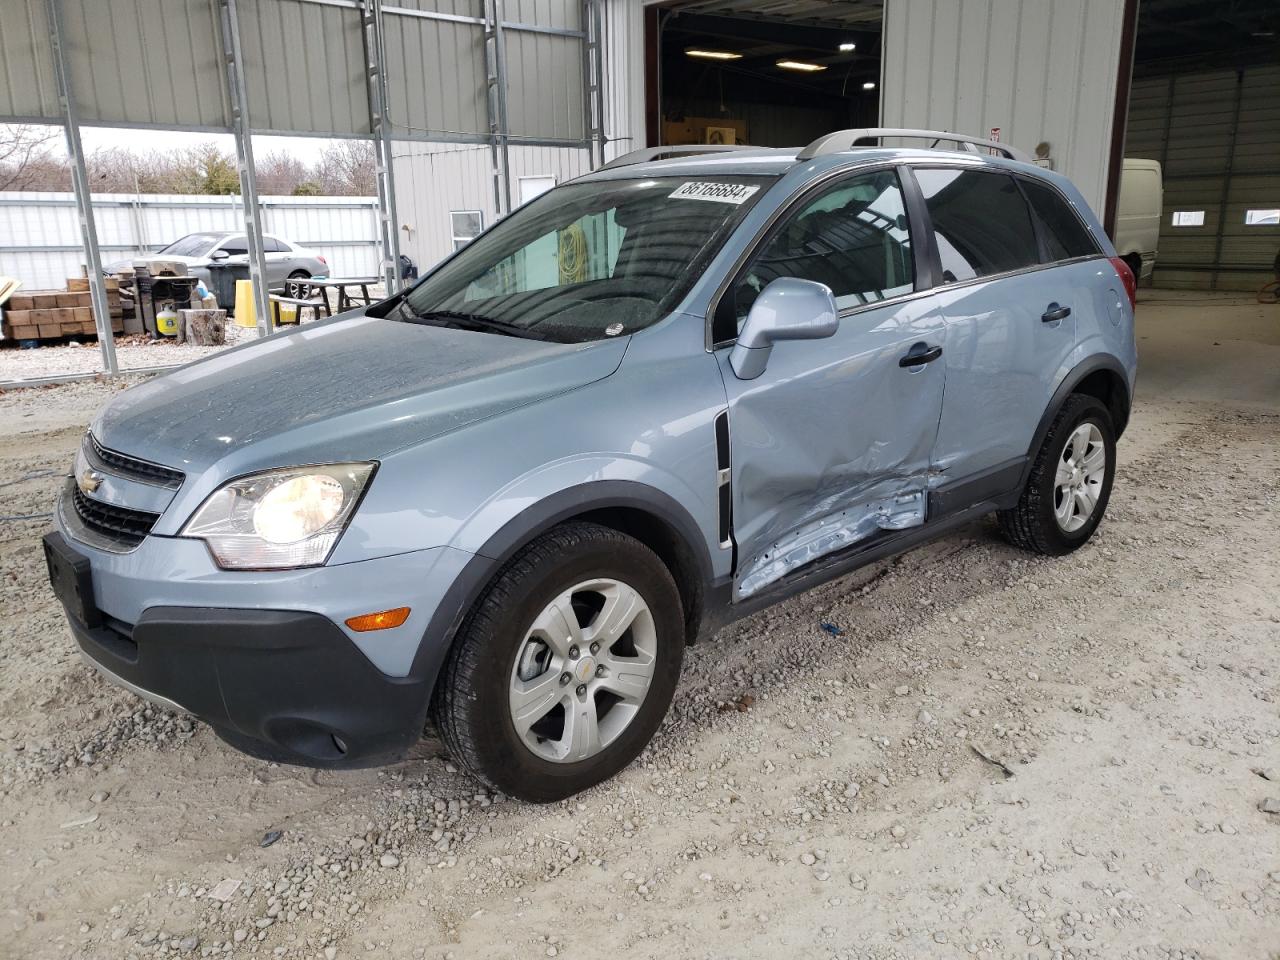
663,153
842,140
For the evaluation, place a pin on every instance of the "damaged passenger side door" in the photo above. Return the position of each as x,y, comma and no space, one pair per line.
831,443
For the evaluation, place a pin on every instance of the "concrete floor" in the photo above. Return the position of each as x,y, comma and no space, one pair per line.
1194,345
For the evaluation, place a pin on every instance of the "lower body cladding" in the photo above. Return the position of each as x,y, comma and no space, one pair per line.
284,685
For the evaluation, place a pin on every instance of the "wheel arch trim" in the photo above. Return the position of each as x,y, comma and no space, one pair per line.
1088,366
534,520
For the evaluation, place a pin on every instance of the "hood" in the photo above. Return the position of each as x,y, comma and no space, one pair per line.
351,388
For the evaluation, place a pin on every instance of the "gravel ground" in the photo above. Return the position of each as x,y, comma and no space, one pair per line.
982,753
83,356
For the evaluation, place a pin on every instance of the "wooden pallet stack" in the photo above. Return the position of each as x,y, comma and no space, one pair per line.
50,314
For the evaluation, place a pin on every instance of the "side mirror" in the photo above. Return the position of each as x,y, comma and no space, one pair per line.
219,255
787,309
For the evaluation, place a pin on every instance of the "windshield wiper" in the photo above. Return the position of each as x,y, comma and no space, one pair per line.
469,321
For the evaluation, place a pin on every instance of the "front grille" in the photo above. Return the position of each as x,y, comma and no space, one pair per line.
121,526
131,468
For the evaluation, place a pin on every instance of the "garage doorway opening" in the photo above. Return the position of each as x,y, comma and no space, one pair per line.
776,74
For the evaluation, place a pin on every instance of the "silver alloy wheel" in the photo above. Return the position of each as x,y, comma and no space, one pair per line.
583,670
1077,484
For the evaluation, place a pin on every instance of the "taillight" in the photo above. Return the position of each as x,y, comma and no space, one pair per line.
326,262
1128,279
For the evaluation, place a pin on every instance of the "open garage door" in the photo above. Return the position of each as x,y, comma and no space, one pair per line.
764,72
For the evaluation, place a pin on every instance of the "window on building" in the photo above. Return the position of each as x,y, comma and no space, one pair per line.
1261,218
466,226
1188,218
853,237
981,222
1065,236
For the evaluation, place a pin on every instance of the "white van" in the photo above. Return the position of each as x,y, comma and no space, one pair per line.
1138,220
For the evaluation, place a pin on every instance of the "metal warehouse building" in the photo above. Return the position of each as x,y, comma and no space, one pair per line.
478,105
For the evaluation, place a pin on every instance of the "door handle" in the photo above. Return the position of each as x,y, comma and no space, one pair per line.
1054,313
920,354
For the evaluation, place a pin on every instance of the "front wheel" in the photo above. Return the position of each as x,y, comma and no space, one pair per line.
1070,483
565,668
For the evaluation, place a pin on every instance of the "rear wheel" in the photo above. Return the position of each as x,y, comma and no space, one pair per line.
566,667
1070,483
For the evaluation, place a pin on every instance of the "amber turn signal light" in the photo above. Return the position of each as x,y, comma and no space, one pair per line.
383,620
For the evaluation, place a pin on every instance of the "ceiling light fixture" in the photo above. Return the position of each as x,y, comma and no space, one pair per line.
701,54
848,47
869,85
801,66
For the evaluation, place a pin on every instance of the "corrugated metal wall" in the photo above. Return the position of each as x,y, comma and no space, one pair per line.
157,63
435,179
1041,71
1217,136
27,86
41,237
153,62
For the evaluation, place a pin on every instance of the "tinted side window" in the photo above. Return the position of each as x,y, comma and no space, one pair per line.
1064,235
853,237
981,222
272,245
235,246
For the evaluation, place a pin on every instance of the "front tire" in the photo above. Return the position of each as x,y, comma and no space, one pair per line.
1070,482
563,671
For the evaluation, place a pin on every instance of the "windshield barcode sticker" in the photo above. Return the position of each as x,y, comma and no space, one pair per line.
715,192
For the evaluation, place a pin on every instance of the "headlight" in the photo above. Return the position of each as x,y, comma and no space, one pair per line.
281,518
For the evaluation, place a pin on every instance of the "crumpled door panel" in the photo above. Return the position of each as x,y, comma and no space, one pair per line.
832,444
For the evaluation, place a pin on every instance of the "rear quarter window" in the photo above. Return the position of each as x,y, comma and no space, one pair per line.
1065,236
981,223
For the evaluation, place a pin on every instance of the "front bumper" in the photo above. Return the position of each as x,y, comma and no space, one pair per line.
262,657
279,684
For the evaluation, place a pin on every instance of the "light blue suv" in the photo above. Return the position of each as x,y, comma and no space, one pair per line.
652,401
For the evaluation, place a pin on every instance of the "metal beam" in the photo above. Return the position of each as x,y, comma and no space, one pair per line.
496,106
239,100
380,126
84,197
593,41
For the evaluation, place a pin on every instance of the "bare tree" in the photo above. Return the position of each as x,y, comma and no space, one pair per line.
347,168
280,173
26,160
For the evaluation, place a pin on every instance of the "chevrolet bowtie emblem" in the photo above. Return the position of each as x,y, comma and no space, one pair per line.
89,481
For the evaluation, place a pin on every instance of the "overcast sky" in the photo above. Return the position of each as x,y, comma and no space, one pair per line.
306,149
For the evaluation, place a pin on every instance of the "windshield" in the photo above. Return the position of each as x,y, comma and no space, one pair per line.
193,244
588,260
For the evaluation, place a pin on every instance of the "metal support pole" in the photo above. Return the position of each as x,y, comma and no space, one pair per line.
239,99
380,127
84,198
495,56
593,80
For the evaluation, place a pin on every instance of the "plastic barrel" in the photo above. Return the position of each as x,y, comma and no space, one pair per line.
245,316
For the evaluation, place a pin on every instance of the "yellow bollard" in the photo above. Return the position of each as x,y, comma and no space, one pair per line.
246,316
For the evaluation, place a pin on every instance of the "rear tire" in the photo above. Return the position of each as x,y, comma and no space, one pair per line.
502,704
1050,516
